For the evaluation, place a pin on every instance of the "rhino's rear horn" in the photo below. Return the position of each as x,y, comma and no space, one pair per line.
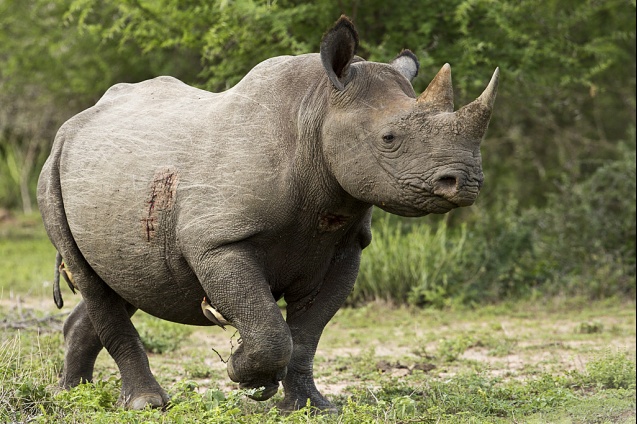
338,48
438,96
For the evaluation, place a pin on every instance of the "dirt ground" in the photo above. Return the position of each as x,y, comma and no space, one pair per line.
509,342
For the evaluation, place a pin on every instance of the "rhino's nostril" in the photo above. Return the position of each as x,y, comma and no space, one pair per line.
447,182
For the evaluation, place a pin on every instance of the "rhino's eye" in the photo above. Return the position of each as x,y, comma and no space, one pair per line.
388,138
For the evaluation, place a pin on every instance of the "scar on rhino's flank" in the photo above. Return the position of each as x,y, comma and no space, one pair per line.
162,196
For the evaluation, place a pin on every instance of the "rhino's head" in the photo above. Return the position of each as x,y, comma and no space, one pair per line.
410,155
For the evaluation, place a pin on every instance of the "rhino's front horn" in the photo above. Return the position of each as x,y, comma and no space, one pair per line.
487,98
438,96
477,114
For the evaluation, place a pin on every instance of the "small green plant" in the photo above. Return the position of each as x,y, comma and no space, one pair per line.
612,370
450,348
198,369
88,397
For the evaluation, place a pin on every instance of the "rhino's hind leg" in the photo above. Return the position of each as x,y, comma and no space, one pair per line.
82,346
103,319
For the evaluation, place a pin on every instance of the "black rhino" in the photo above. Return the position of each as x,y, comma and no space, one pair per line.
206,208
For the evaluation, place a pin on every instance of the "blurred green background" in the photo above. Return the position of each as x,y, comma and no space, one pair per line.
556,216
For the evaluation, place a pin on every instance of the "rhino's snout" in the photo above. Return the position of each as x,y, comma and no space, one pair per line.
455,187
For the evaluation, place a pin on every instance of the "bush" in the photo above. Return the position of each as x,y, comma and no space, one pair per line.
611,370
587,232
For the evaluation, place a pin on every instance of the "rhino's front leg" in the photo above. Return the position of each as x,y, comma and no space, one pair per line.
306,319
236,286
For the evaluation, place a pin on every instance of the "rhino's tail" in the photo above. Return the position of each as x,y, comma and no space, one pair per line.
61,269
53,215
57,295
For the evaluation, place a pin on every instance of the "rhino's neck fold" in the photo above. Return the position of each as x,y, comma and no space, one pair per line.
317,186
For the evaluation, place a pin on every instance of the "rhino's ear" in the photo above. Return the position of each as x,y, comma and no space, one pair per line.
407,64
338,48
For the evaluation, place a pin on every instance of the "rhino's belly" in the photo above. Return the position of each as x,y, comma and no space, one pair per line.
146,272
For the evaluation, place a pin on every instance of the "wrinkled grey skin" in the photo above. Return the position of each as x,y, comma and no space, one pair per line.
162,194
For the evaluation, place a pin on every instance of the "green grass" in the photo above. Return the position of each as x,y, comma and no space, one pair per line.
559,360
604,391
28,257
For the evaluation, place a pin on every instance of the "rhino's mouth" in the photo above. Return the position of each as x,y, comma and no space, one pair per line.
428,205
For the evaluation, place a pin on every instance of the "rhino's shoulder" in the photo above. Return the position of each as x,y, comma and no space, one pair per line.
281,71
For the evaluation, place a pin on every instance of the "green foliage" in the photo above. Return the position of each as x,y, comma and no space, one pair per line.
450,348
87,397
587,231
216,42
612,370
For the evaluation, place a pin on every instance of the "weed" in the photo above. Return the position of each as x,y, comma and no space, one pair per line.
198,369
612,370
450,348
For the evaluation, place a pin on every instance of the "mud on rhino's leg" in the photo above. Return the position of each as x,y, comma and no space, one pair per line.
109,316
306,319
234,281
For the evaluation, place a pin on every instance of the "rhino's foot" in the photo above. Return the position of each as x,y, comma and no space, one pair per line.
137,401
263,376
300,389
293,403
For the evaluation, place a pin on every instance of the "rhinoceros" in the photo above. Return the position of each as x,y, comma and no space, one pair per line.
207,208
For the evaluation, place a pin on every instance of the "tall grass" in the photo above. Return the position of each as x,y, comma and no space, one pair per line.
28,372
414,262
